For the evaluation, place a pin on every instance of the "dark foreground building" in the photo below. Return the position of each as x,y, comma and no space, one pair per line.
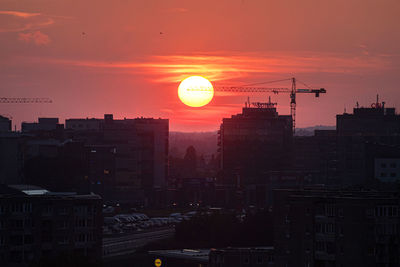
357,132
324,228
40,226
256,141
139,157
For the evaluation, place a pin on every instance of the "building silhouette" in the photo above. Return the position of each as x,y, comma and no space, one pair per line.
375,125
5,124
140,148
38,225
319,227
254,142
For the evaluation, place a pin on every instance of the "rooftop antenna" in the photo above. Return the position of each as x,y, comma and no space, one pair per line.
357,105
248,101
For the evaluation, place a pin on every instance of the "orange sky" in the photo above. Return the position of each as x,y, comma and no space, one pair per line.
96,57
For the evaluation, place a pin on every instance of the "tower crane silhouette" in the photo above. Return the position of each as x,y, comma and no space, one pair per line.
293,90
25,100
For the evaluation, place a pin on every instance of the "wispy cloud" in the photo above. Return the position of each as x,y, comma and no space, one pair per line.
228,68
19,14
24,21
36,37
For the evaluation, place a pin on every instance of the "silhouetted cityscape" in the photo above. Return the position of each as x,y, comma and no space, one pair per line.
176,133
107,191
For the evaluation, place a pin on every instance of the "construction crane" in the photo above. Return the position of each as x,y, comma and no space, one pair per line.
24,100
292,91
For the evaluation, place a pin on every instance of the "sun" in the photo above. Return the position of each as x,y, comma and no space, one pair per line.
195,91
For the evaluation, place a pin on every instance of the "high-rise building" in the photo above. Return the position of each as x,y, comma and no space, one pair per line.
140,153
256,141
11,157
5,124
355,132
36,224
336,228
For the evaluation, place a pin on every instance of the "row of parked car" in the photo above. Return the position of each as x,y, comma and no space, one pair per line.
127,223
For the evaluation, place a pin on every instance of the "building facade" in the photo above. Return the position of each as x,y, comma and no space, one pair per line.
37,225
336,228
140,154
5,124
254,142
355,132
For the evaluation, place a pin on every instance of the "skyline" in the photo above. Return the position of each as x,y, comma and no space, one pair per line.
90,66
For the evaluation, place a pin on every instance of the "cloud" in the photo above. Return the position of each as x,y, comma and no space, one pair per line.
19,14
17,21
36,37
231,69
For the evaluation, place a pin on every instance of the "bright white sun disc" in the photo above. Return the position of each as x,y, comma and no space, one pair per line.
195,91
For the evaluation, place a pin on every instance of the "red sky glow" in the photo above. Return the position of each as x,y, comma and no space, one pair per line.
128,57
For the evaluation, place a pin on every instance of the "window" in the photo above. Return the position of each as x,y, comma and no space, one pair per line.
81,210
63,210
80,223
340,212
329,228
16,240
308,211
387,211
270,258
28,239
16,207
330,247
17,224
319,246
383,174
80,238
63,240
259,260
329,210
28,223
64,224
318,228
27,207
393,165
393,174
47,210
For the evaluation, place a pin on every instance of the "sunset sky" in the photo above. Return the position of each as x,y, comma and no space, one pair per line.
128,57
